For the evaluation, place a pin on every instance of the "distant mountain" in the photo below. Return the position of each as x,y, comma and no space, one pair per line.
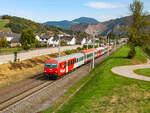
80,27
68,24
65,24
86,20
103,28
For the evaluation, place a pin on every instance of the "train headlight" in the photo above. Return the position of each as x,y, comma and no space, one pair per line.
55,71
45,71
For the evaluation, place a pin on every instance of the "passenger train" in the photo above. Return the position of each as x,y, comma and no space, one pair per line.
57,67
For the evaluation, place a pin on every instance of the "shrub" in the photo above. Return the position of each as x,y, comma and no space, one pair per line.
131,53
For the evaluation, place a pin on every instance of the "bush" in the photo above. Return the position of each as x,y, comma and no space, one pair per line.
147,50
131,53
67,52
63,43
79,48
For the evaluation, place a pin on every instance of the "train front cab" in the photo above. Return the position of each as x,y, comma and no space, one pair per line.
51,69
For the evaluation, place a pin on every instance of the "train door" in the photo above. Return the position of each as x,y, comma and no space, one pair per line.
66,66
62,68
70,64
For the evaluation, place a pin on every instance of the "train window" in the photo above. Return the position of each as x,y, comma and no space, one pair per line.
82,58
51,65
64,64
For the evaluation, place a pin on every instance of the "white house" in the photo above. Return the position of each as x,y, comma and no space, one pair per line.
44,39
55,41
38,38
10,36
89,41
71,41
50,41
81,40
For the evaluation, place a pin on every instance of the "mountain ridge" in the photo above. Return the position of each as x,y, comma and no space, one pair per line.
65,24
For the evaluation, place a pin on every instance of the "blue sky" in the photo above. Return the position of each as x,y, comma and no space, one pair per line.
55,10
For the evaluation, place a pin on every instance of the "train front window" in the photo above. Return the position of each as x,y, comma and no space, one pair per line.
51,65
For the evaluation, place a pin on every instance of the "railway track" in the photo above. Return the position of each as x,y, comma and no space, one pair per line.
26,93
30,91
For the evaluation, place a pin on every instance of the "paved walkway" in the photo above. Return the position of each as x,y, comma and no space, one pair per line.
127,71
33,53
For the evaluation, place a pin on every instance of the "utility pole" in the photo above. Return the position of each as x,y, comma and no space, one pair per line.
59,46
115,43
87,43
108,45
93,66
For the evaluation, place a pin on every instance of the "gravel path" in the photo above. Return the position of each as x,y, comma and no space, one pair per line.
127,71
33,53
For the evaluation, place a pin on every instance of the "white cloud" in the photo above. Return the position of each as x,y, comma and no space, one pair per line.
103,5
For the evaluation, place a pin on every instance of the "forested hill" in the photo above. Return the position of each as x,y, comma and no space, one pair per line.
17,24
65,24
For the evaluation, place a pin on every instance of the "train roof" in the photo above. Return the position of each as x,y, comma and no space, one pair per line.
100,48
67,57
88,50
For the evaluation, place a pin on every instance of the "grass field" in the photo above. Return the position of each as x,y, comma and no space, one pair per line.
145,72
3,22
107,92
9,50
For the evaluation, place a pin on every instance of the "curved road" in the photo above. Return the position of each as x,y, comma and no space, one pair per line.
127,71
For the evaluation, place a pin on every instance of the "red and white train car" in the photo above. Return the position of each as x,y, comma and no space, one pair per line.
100,51
62,65
88,53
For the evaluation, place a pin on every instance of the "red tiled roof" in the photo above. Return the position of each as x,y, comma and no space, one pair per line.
51,34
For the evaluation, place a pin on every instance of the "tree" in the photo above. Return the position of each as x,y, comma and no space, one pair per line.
3,42
111,36
63,42
137,32
28,39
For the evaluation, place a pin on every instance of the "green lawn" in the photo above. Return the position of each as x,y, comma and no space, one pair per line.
107,92
3,22
9,50
145,72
